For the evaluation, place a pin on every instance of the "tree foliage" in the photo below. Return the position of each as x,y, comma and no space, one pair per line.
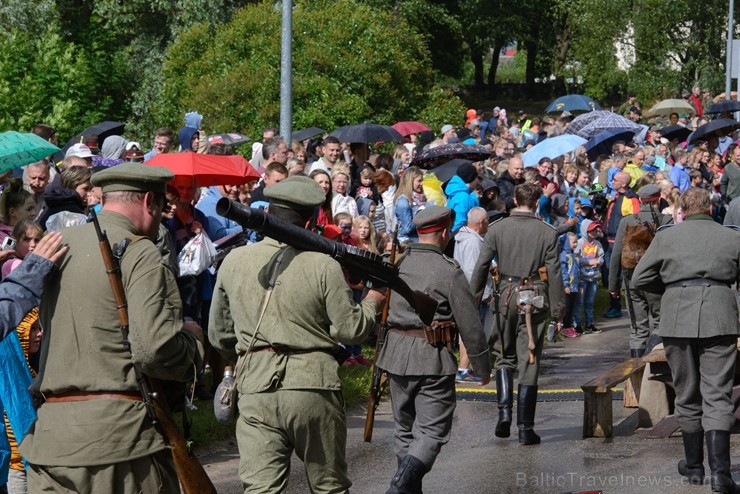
369,67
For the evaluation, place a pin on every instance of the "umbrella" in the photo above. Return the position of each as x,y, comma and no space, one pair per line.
584,119
602,142
102,130
303,134
408,128
668,106
552,148
367,133
719,128
444,153
231,139
207,169
445,172
17,149
605,120
724,106
675,132
572,102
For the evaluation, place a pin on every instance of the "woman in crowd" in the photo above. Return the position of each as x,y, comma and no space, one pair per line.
341,201
70,196
323,214
385,183
408,198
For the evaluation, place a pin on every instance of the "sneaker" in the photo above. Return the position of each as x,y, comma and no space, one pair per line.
467,376
460,375
591,329
362,360
350,361
570,333
613,314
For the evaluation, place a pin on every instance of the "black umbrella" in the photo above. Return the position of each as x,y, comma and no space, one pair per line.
448,170
724,106
602,142
675,132
102,130
303,134
367,133
442,154
231,139
719,128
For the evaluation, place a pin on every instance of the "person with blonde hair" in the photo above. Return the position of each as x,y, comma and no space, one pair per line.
364,234
341,201
408,199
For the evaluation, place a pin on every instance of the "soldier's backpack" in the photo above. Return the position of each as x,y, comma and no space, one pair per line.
637,239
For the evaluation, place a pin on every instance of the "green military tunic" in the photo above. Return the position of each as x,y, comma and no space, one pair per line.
83,352
699,322
291,398
521,244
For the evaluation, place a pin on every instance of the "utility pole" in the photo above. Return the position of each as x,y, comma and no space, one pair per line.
728,62
286,72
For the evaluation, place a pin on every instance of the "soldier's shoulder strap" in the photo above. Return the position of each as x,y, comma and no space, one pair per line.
733,227
665,227
451,261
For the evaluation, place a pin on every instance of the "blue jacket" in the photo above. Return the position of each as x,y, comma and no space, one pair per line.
569,266
405,215
461,200
218,226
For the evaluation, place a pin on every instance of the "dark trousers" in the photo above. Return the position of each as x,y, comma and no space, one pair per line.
570,303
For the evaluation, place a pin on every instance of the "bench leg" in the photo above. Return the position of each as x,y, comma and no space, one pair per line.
597,414
631,395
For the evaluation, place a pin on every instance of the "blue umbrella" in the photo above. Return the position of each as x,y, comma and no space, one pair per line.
573,102
552,148
724,106
602,142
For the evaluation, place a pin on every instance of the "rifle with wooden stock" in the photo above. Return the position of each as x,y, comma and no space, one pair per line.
192,475
376,384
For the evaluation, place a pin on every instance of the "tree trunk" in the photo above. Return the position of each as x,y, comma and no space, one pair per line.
476,56
497,47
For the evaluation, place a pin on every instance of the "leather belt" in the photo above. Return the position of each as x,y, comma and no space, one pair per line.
416,333
73,396
517,279
283,350
697,282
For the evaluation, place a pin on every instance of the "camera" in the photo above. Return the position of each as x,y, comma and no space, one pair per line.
8,243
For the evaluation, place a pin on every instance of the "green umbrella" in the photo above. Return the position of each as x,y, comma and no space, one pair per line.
17,149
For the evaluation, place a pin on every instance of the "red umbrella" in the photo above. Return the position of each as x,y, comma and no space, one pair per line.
207,169
408,128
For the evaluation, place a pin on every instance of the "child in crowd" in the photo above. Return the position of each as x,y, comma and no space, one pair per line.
366,188
583,183
568,186
364,234
590,255
27,235
570,267
345,223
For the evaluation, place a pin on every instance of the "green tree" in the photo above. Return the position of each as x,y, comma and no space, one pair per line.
369,67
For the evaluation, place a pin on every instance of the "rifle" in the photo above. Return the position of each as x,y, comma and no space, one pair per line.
495,278
372,266
376,384
193,477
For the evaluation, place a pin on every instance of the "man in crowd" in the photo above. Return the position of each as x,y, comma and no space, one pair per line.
678,174
285,338
527,254
699,329
729,184
625,203
332,149
645,305
448,134
163,138
86,375
274,174
509,180
422,371
36,178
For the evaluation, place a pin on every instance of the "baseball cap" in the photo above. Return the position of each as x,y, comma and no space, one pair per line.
79,150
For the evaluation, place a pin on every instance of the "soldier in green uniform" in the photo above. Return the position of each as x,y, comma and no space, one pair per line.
422,372
290,396
646,305
522,245
693,264
92,433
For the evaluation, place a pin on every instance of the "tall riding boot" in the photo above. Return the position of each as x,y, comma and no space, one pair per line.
407,479
504,394
525,410
718,451
693,466
636,352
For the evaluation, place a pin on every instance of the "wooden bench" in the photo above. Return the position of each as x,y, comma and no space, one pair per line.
597,396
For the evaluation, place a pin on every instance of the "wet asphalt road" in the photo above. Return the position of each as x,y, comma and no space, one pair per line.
476,462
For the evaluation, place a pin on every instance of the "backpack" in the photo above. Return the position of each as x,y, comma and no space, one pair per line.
637,239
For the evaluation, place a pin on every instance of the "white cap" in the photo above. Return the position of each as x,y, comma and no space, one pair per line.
132,144
79,150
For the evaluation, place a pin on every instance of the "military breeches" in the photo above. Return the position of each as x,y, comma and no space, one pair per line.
151,474
647,316
516,340
703,371
422,408
273,424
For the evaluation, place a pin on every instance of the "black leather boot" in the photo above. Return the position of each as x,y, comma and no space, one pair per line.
718,452
407,479
637,353
504,394
526,406
693,466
